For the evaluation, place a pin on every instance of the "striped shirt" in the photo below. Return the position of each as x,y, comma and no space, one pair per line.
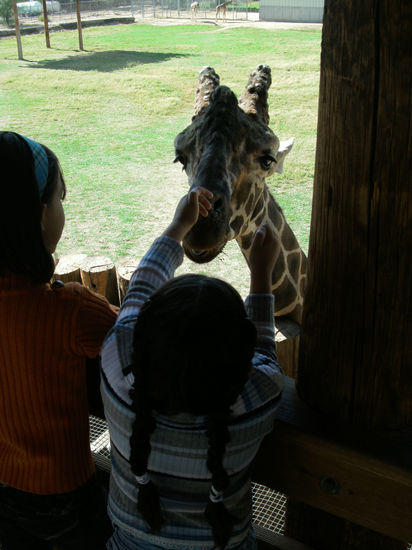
177,463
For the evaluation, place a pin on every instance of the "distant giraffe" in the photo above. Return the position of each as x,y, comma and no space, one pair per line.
230,149
221,9
194,9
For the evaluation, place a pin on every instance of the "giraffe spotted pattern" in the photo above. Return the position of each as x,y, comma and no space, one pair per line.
230,150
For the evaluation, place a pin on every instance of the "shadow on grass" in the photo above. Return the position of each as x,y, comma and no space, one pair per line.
105,62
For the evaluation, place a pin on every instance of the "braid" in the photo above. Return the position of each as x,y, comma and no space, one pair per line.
218,435
148,502
219,518
143,426
171,377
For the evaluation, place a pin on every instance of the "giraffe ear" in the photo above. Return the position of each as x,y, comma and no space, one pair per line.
284,148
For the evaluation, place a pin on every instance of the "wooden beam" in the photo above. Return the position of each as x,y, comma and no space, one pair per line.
363,478
287,345
268,540
355,352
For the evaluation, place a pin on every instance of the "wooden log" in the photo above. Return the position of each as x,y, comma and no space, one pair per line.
99,274
355,353
125,270
68,268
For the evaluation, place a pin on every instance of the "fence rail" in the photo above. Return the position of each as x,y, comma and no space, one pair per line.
31,12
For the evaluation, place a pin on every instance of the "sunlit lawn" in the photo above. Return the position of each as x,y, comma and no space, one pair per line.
111,114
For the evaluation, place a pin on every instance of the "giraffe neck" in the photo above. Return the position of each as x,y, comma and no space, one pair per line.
289,273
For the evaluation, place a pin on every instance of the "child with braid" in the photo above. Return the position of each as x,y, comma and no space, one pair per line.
190,385
49,494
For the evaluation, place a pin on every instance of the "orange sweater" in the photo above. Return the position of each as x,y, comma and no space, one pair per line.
45,336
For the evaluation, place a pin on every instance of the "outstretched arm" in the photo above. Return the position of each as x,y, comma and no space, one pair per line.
155,268
263,255
260,303
163,257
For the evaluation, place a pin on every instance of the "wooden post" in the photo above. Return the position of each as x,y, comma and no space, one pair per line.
46,24
99,274
125,271
68,268
287,345
355,344
79,25
17,27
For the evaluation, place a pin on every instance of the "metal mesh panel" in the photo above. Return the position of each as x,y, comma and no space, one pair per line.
100,442
269,508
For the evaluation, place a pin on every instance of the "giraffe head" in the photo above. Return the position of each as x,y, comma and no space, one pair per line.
230,150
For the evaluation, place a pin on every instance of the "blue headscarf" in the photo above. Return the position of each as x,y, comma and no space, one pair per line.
41,164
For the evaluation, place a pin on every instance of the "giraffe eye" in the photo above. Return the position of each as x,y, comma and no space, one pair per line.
266,161
181,159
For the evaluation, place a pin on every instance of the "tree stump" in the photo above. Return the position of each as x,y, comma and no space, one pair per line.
125,270
68,268
99,274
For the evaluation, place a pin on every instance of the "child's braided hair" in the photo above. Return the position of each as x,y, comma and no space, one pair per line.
193,347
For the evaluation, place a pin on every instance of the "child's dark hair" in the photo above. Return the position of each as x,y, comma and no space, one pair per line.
193,347
22,250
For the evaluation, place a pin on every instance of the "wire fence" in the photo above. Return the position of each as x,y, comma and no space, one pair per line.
31,12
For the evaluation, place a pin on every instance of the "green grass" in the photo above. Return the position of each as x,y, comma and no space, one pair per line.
111,113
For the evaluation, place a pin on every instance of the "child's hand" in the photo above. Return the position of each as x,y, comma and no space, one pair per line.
262,258
187,212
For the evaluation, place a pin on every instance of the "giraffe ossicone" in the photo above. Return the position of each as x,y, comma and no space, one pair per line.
230,149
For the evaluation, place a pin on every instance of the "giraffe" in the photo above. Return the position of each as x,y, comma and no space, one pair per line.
230,149
194,9
221,9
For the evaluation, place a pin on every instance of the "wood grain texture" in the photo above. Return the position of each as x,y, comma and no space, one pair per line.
355,353
350,475
99,274
359,278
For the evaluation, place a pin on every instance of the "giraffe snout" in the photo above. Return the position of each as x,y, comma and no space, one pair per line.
218,202
209,235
